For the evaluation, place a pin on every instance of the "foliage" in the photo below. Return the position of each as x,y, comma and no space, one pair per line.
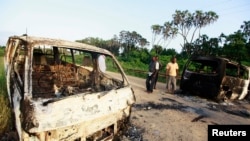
131,45
184,23
5,111
112,45
246,30
205,46
162,35
2,51
170,51
130,41
235,46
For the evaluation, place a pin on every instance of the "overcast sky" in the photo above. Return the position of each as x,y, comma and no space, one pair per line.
78,19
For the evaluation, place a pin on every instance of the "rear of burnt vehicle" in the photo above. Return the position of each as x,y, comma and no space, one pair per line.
61,90
216,78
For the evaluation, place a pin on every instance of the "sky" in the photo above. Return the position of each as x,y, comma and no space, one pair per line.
78,19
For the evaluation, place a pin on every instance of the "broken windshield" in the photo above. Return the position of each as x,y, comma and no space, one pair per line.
203,66
61,72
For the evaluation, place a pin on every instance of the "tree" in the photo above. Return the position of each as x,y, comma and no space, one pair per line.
234,46
162,35
206,46
143,42
113,45
156,31
246,31
130,41
169,52
157,49
187,22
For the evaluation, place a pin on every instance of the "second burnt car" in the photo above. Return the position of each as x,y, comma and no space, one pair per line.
216,78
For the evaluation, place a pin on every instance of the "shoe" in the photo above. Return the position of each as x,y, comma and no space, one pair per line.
150,92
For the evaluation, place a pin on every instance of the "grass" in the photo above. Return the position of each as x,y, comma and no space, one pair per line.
5,111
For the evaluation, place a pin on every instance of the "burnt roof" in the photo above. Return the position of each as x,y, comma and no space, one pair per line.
33,40
217,58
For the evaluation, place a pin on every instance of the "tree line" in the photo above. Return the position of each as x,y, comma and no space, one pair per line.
135,51
131,46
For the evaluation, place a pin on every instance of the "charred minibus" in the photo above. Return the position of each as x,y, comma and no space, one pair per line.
65,90
216,78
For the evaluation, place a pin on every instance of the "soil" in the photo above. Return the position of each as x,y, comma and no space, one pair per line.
161,116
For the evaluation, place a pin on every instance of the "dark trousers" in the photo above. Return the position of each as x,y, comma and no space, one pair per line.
156,79
150,82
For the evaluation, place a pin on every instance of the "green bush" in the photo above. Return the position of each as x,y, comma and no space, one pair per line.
5,111
2,51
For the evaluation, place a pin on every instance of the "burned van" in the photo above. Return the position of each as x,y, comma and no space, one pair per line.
63,90
215,78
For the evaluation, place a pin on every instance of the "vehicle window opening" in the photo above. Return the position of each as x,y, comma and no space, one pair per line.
236,71
19,61
61,72
207,67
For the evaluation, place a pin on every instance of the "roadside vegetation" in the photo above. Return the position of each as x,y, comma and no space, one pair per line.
134,53
5,111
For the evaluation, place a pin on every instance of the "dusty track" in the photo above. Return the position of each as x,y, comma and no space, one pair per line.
162,116
166,117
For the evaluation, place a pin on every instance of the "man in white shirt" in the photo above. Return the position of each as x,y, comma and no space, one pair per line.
102,63
157,67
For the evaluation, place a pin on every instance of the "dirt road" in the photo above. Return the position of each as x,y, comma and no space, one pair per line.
162,116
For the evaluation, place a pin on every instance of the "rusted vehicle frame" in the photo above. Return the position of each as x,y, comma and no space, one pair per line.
216,78
64,100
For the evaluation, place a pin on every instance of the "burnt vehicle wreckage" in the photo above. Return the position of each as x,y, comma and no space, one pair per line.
215,78
63,90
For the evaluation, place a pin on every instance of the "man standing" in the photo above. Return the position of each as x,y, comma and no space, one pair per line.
171,73
158,66
150,81
102,63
